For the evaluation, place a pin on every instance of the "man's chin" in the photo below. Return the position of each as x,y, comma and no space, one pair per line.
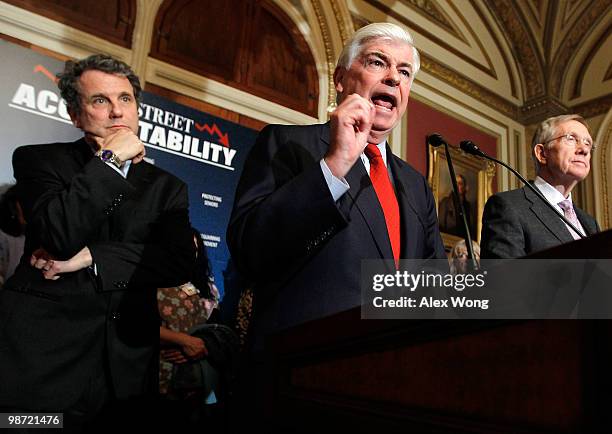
383,126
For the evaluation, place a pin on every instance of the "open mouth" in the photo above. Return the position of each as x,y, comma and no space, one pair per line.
385,101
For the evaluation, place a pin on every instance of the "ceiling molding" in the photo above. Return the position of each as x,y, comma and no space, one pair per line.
569,47
432,11
538,109
608,75
584,65
468,86
594,107
523,46
488,69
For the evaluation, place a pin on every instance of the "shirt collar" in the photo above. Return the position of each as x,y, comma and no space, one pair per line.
551,194
382,147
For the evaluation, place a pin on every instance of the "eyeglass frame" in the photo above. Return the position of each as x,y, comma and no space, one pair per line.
567,136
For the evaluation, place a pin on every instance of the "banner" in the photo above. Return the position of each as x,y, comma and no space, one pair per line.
32,110
204,151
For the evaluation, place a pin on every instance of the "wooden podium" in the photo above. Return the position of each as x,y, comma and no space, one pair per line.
347,375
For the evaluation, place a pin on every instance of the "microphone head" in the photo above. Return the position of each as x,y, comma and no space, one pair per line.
435,140
470,147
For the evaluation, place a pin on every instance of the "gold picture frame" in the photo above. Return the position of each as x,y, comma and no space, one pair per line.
476,172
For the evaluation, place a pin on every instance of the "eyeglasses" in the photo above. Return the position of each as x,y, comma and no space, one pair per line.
572,140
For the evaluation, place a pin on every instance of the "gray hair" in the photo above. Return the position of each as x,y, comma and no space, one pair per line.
69,78
372,31
457,267
547,130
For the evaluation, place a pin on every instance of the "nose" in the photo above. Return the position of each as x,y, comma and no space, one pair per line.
582,148
392,78
116,111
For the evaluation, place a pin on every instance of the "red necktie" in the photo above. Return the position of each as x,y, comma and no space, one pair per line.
386,196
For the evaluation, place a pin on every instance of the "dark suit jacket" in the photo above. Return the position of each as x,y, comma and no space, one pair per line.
516,223
55,334
302,250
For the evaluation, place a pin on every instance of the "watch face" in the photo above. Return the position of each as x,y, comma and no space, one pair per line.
106,155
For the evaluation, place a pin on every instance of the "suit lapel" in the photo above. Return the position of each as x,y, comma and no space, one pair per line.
362,196
548,217
586,221
411,224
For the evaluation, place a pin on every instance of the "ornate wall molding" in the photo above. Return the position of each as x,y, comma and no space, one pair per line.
55,36
468,86
343,19
538,109
593,107
603,179
143,33
329,53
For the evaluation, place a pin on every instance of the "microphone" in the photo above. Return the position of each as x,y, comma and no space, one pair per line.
470,148
437,140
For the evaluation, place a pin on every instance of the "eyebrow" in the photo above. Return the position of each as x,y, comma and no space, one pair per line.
102,95
386,58
97,95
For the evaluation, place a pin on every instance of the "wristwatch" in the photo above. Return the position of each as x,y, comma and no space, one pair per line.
109,156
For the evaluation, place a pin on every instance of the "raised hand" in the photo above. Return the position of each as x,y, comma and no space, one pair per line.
351,123
124,143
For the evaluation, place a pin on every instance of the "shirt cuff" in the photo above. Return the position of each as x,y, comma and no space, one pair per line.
337,187
123,170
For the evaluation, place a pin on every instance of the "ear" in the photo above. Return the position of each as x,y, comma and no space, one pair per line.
540,153
74,118
338,77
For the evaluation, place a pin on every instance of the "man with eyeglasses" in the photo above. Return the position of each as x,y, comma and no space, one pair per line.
516,223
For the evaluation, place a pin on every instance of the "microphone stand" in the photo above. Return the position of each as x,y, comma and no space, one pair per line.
436,140
471,148
460,208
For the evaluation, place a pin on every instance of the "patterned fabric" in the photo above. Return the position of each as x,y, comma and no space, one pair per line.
180,309
570,214
11,249
243,317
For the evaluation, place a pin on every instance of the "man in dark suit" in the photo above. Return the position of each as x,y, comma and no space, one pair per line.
448,215
314,201
80,326
516,223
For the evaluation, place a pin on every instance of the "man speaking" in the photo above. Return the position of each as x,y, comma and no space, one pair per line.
313,201
516,223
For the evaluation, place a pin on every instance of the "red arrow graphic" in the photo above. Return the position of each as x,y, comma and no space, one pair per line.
40,68
223,138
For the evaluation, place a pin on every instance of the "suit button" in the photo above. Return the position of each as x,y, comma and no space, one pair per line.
115,316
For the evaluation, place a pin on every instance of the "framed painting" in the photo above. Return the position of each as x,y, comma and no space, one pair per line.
475,183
